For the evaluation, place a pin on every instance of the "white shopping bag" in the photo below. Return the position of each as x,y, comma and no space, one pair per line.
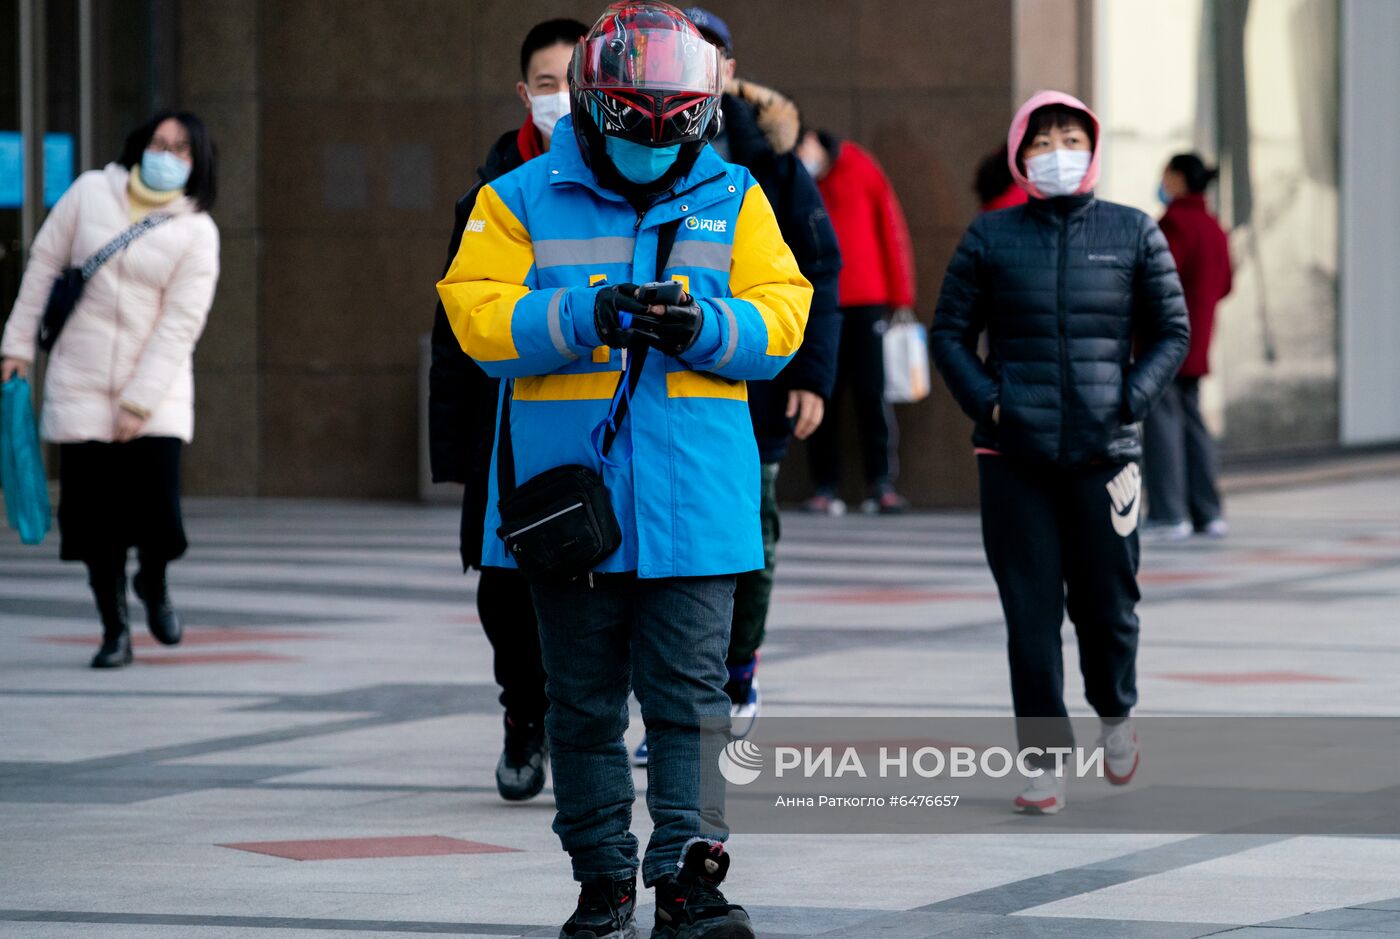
906,360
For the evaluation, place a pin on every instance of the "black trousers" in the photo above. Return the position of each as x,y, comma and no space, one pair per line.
507,614
116,496
1060,539
860,370
1179,459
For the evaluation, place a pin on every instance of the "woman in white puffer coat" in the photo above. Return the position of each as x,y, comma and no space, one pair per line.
119,388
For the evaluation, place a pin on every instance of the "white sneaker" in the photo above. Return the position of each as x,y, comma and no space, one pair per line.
1216,528
1120,752
1167,531
825,504
1043,795
742,717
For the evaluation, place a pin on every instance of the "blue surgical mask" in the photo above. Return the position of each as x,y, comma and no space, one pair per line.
164,171
1162,194
638,163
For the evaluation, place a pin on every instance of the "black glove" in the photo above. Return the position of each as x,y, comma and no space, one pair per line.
614,306
675,330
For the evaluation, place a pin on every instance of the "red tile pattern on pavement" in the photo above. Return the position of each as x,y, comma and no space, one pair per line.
214,658
342,849
1253,678
1309,560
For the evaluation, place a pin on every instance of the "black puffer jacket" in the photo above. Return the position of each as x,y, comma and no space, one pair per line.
761,129
461,397
1064,288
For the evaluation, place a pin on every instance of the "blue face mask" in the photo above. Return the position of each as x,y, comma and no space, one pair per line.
164,171
638,163
1162,194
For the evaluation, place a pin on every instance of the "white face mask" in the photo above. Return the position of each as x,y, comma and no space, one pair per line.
1059,172
546,110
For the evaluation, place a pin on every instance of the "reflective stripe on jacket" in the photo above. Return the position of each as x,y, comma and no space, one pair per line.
520,297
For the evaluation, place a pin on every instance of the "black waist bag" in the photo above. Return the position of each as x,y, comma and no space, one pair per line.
560,524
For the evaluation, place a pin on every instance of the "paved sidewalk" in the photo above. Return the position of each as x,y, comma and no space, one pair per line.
335,685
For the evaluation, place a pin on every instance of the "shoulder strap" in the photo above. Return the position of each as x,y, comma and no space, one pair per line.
105,253
622,398
665,241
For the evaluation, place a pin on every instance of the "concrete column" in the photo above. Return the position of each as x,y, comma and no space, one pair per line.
1370,203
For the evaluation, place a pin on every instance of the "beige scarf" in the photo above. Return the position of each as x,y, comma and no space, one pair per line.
143,198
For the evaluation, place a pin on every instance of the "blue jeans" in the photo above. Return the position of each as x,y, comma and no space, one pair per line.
667,639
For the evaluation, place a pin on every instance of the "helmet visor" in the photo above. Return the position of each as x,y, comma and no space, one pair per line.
653,60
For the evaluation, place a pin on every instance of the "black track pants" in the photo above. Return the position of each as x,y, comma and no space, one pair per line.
1057,540
507,614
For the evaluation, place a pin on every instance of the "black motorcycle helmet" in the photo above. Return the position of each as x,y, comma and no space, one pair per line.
644,74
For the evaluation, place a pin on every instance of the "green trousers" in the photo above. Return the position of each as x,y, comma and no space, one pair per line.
754,590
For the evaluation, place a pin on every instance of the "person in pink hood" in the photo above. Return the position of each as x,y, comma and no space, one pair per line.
1065,286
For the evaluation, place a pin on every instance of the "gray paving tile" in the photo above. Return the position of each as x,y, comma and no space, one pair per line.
1353,919
1288,932
1074,881
193,614
1392,904
121,785
915,925
266,922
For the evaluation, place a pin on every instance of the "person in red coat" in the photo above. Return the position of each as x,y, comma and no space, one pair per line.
1179,453
877,277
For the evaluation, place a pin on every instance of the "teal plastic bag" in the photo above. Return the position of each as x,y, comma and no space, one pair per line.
22,464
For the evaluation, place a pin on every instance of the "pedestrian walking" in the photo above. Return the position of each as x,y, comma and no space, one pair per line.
462,426
1178,451
119,386
759,132
877,279
627,477
1063,285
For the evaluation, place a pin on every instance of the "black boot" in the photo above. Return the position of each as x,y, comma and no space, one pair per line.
520,771
689,905
110,591
151,587
605,911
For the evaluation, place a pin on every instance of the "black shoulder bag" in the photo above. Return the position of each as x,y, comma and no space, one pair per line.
68,286
560,524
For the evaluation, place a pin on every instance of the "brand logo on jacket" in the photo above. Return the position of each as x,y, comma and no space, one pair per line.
476,224
718,225
1103,257
1123,492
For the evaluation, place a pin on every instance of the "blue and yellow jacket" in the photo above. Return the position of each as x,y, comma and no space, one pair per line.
519,296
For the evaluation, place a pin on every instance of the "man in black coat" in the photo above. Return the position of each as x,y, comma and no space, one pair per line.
1065,287
462,427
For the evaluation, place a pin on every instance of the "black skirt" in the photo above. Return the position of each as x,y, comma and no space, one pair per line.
117,496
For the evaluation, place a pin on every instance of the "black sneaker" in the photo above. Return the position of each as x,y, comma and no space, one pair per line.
690,906
520,771
605,911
